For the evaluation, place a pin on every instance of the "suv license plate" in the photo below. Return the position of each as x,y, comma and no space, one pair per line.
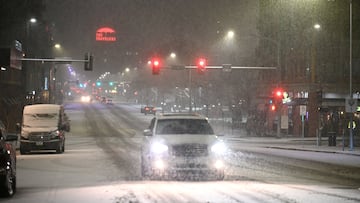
39,143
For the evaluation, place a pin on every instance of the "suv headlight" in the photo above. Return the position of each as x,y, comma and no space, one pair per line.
219,148
159,148
54,134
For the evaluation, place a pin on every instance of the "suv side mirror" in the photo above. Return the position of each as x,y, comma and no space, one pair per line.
147,132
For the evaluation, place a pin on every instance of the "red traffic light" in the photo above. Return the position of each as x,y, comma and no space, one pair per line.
273,107
201,65
279,94
155,65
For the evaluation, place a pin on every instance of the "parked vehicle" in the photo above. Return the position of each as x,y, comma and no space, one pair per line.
148,110
7,163
43,128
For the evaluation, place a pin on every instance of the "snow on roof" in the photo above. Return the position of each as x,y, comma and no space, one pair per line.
42,108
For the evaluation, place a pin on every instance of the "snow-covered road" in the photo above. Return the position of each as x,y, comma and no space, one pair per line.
102,164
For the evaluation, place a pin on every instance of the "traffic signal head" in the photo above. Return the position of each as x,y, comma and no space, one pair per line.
279,94
89,60
155,65
201,65
273,107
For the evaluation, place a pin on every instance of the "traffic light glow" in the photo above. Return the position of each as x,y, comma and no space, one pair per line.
273,107
155,65
202,62
201,65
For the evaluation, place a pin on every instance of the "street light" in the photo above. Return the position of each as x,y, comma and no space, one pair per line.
313,53
230,34
317,26
57,46
33,20
173,55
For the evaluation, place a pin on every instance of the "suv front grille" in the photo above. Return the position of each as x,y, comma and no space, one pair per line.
190,150
39,137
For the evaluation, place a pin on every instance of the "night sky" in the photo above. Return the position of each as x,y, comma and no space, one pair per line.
147,27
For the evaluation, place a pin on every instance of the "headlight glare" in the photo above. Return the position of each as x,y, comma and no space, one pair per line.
54,134
159,164
219,164
219,148
159,148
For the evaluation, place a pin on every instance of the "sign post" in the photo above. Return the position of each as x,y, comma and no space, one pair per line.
303,114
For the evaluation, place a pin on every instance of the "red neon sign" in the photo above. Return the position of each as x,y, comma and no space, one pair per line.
105,34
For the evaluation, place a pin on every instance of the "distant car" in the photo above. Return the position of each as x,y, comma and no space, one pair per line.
148,110
182,146
109,101
86,98
106,100
7,163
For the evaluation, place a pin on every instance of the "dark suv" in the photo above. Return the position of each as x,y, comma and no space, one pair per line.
7,163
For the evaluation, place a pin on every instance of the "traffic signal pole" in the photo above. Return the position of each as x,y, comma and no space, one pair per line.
88,65
53,60
190,92
351,136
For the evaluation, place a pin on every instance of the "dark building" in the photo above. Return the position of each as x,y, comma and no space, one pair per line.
309,42
23,82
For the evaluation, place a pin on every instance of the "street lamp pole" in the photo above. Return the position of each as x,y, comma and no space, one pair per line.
190,105
351,147
279,81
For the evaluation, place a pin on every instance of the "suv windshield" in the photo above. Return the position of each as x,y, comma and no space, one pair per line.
183,126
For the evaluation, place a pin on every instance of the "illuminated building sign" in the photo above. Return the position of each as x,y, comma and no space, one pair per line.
105,34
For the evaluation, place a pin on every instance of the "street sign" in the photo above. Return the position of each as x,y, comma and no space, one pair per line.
226,67
302,110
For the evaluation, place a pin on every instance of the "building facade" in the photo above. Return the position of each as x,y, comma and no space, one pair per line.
312,53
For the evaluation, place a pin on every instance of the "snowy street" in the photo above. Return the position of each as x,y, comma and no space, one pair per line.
101,163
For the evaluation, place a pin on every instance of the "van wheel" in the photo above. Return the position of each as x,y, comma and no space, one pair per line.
23,150
59,149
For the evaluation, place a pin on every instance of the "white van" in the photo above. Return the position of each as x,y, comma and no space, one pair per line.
43,128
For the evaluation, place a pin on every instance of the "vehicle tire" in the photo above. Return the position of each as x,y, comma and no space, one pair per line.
23,150
59,149
144,168
63,147
221,175
8,184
